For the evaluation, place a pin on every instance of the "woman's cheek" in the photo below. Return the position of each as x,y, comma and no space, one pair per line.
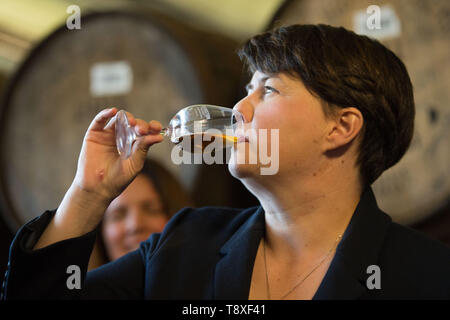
156,223
113,234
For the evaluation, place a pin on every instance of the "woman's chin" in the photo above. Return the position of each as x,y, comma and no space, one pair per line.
240,170
243,162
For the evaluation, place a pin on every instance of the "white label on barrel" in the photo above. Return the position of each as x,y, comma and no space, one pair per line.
111,78
377,22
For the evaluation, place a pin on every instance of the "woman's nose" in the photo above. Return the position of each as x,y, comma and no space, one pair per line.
135,220
245,108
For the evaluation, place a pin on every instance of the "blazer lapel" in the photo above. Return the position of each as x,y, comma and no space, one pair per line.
233,272
360,247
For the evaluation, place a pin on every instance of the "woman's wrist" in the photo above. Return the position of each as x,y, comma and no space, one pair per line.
82,208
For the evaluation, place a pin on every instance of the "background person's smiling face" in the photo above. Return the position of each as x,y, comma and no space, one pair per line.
132,217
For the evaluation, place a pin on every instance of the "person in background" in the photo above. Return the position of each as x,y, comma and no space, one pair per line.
142,209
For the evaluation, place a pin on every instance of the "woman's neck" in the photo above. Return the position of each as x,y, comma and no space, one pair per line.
306,215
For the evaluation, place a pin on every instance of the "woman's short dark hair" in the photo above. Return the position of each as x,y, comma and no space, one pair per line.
344,69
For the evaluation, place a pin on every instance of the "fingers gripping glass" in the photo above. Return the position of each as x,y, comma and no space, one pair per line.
188,122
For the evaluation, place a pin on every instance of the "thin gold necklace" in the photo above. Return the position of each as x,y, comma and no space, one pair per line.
302,280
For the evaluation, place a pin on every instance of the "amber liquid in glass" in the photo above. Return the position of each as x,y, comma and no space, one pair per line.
191,145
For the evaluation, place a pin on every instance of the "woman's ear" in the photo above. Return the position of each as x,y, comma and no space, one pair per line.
345,125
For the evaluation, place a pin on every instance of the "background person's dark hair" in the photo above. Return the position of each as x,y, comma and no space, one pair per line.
173,195
345,70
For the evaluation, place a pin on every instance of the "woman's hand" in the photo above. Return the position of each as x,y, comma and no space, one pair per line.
101,176
101,171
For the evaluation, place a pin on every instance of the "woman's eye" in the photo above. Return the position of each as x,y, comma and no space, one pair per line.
151,209
117,215
268,89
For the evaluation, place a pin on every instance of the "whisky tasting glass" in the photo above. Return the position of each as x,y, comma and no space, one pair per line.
188,122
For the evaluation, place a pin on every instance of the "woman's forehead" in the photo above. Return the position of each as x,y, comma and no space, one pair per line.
259,76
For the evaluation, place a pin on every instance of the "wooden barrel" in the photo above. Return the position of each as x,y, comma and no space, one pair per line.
417,31
145,63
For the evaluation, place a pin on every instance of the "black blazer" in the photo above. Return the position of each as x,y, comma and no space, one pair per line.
208,253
